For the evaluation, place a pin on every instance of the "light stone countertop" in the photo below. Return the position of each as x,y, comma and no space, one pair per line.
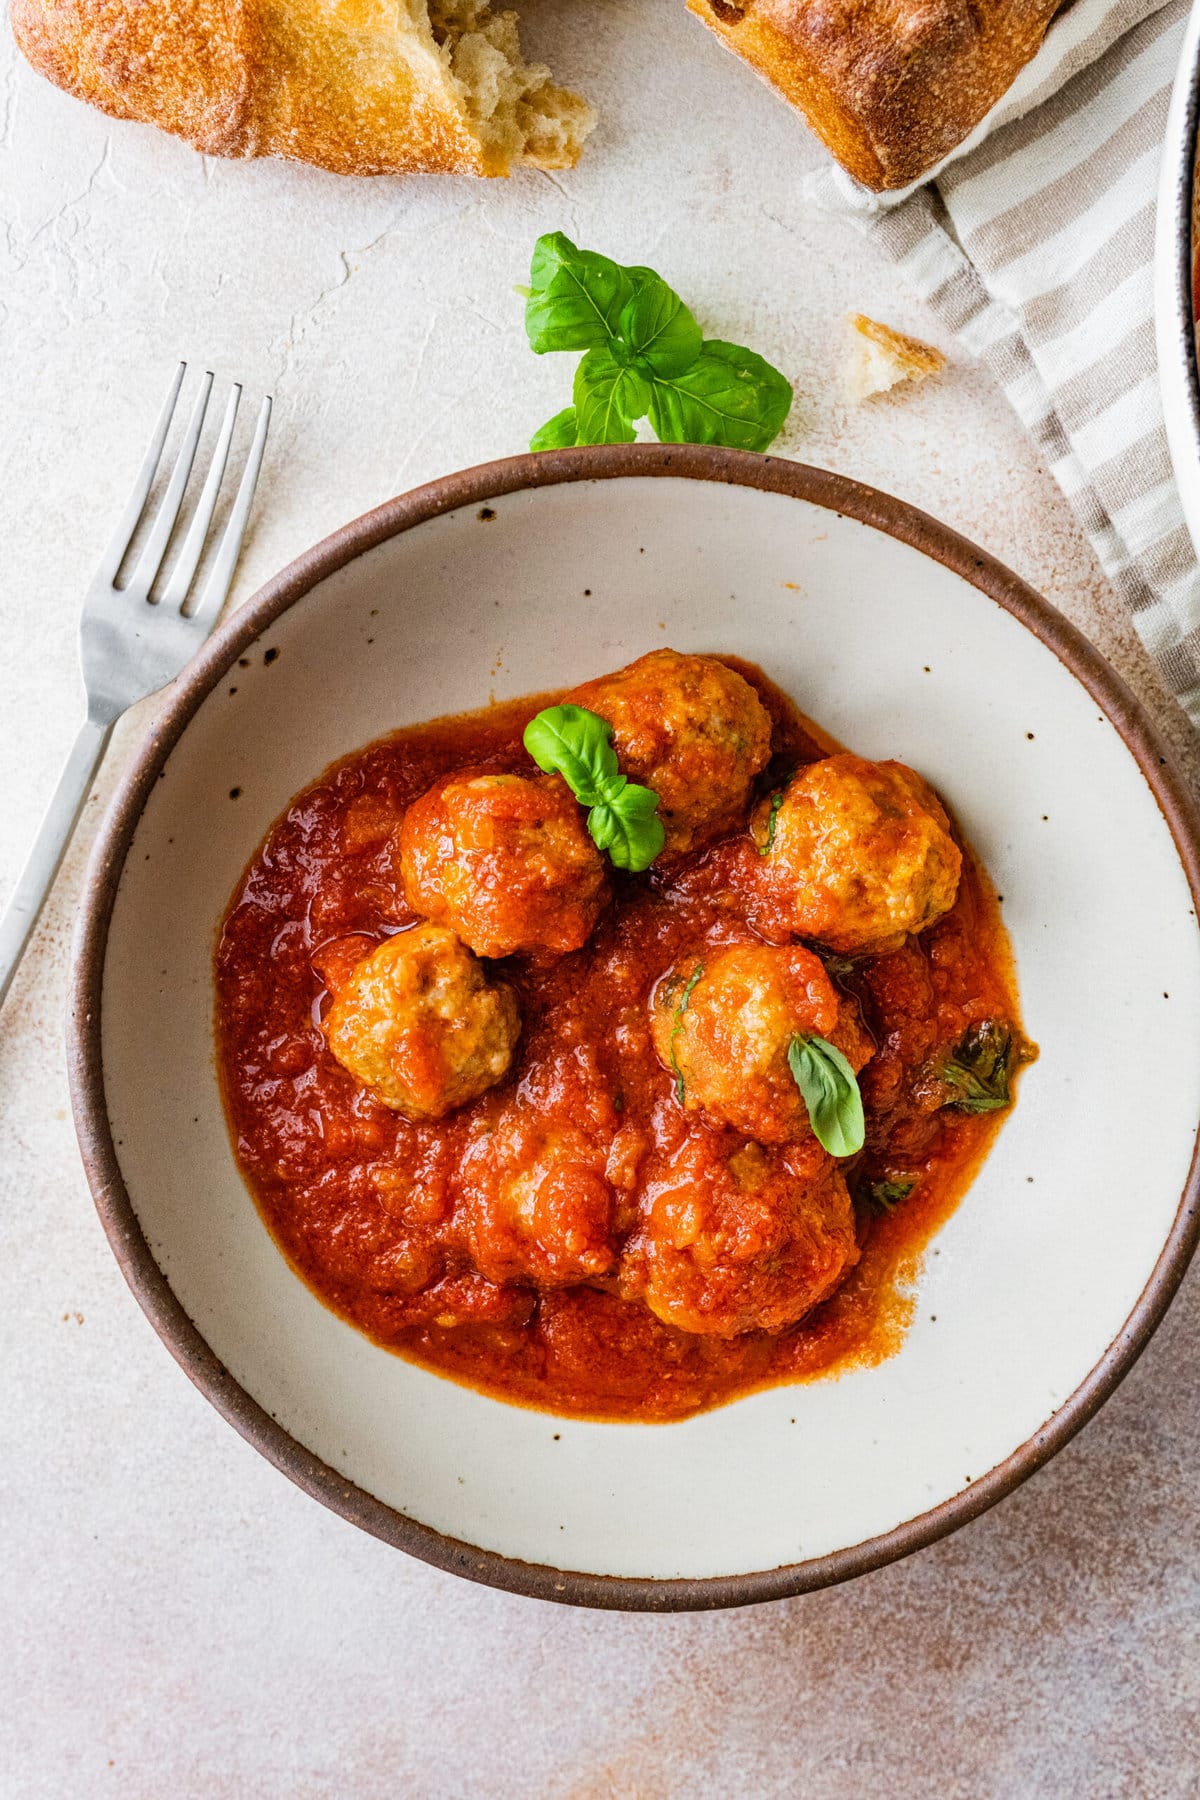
175,1618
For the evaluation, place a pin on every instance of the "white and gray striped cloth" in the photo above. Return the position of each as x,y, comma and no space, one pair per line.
1034,243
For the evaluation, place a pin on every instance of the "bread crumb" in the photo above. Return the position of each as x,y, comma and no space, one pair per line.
882,358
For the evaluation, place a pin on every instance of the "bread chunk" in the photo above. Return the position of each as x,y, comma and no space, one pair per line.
359,87
891,86
882,358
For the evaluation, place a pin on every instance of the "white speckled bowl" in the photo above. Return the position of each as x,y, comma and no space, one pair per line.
902,640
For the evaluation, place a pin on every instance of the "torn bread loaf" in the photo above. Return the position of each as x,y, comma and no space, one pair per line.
360,87
882,358
892,86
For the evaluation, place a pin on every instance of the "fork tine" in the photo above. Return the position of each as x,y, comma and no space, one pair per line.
142,579
127,524
220,577
188,560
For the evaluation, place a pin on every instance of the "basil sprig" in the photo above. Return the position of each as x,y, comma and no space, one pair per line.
977,1075
622,817
645,357
831,1094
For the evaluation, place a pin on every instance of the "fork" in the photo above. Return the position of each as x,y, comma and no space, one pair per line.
131,645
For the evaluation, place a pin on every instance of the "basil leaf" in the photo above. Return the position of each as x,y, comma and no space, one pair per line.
885,1196
831,1094
677,1027
623,818
609,396
628,828
574,743
645,355
558,433
658,327
978,1072
729,396
777,800
576,297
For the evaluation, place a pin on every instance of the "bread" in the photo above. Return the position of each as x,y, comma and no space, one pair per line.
890,85
882,358
361,87
388,87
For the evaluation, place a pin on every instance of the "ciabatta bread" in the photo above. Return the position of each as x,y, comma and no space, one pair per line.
362,87
890,85
882,358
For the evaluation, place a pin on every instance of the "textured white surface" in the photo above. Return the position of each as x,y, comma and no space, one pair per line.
176,1618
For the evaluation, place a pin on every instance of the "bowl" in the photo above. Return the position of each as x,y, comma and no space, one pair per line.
1175,285
903,640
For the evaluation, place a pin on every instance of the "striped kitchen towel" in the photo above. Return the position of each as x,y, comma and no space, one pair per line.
1034,243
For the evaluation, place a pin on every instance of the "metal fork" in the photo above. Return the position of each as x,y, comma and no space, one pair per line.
129,645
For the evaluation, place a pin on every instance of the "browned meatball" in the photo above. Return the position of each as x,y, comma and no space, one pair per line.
418,1023
855,854
722,1023
505,861
748,1240
691,729
537,1204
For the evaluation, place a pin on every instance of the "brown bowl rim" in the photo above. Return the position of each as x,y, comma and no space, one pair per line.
473,487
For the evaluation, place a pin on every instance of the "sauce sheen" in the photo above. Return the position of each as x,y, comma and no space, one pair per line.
370,1209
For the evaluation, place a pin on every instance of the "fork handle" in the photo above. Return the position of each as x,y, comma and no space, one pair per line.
54,834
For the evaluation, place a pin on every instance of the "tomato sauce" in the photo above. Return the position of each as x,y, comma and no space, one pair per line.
363,1203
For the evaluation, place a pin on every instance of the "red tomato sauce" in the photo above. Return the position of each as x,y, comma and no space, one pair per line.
363,1203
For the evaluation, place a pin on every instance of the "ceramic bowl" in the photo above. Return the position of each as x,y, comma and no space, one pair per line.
904,641
1175,288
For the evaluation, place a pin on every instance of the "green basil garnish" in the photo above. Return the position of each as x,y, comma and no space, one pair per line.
645,358
577,744
627,827
977,1075
575,296
729,396
657,326
764,849
885,1196
558,433
609,395
696,973
831,1094
622,817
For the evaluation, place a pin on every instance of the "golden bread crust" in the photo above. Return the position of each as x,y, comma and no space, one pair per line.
884,357
359,87
890,85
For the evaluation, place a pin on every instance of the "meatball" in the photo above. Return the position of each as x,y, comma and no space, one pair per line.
419,1024
747,1239
505,861
855,854
691,729
722,1023
537,1204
